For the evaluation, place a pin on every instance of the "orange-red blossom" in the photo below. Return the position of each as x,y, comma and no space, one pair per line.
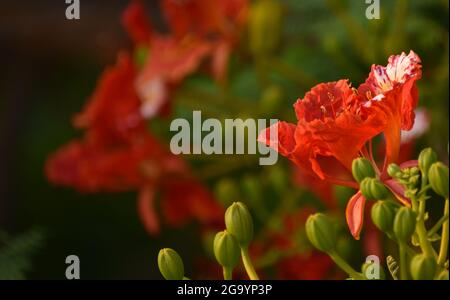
335,121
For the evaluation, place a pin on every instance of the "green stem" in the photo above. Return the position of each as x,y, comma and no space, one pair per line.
409,251
248,264
227,273
425,244
443,250
438,225
403,261
345,266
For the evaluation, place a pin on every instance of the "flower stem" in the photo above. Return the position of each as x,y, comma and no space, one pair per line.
248,264
403,262
425,244
444,238
345,266
227,273
438,225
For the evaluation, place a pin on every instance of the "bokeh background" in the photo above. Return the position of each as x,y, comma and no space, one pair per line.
50,65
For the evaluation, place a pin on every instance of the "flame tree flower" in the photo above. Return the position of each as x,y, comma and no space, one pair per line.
118,153
199,31
336,123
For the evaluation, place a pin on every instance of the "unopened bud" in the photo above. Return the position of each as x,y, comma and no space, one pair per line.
239,223
383,214
373,189
394,170
404,223
423,267
226,249
170,264
438,177
362,168
321,232
427,157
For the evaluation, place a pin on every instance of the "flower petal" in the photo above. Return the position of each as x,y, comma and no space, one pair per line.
146,210
398,190
355,214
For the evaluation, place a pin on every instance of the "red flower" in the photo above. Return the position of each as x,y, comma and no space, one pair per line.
199,30
117,153
335,122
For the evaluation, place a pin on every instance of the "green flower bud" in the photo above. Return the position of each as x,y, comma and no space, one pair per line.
423,267
170,264
426,158
443,275
394,170
362,168
321,232
239,223
404,223
373,189
438,177
364,270
383,214
226,249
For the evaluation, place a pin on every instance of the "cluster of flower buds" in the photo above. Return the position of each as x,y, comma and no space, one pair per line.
229,245
408,177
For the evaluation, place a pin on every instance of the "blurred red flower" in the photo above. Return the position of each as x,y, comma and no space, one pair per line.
199,31
118,153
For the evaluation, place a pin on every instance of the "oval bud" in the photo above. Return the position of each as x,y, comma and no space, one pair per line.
394,170
427,157
438,177
170,264
404,223
321,232
239,223
423,267
383,214
373,189
362,168
226,249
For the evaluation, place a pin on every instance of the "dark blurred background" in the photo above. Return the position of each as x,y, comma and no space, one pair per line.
49,66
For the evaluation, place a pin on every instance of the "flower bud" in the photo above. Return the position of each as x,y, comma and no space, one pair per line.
321,232
226,249
423,267
383,214
404,223
362,168
394,170
438,177
367,272
170,264
427,157
373,189
239,223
